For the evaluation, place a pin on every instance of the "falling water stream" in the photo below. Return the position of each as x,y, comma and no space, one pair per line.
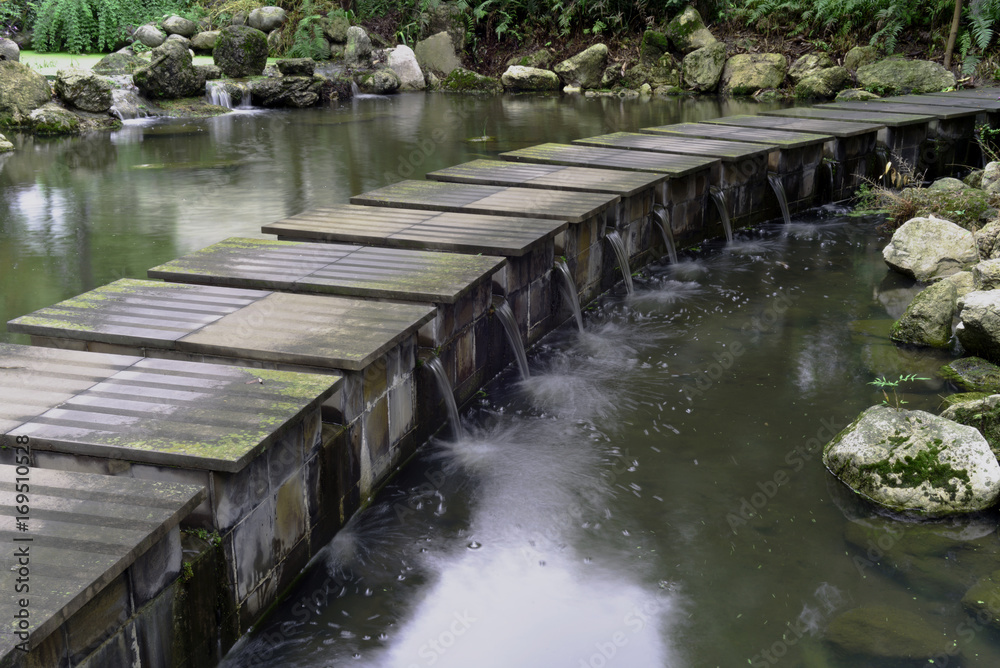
447,394
659,214
719,197
567,287
501,309
779,192
618,246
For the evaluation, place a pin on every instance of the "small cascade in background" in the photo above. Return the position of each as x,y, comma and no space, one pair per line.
569,291
659,215
355,91
506,316
619,247
779,191
221,93
126,104
829,168
448,394
719,198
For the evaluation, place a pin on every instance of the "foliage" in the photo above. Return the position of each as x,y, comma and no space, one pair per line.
308,40
84,26
16,15
883,383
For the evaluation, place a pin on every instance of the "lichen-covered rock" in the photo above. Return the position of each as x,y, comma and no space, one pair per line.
84,90
860,56
980,412
404,63
358,52
24,39
296,67
336,29
461,80
703,67
979,323
963,282
654,45
539,58
266,19
928,249
896,76
612,74
204,42
5,145
119,63
990,181
855,95
292,91
986,275
525,79
437,54
822,84
585,68
209,72
972,374
665,72
745,73
927,320
915,462
887,634
150,35
982,600
988,241
51,119
240,51
380,82
22,90
687,31
808,65
176,25
947,183
446,17
170,74
180,39
9,50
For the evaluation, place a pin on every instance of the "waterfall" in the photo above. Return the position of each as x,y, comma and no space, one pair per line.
719,198
355,91
126,104
448,394
619,247
830,168
502,310
569,292
779,191
659,216
221,93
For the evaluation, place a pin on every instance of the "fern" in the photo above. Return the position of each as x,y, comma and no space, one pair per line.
80,26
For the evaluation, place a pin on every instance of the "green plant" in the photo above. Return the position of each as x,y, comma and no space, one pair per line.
86,26
883,384
308,40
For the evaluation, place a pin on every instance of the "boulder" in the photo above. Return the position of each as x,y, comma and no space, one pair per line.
979,323
24,39
927,320
5,145
988,241
380,82
963,282
296,67
973,179
855,95
860,56
745,73
585,68
915,462
286,91
210,72
982,600
665,72
883,633
947,184
612,74
822,84
176,25
437,54
180,39
703,67
266,19
150,35
981,413
809,64
336,29
540,58
928,249
972,374
204,42
84,90
462,80
991,178
986,275
22,90
404,63
119,63
446,17
523,79
961,398
9,50
358,52
170,74
51,119
654,44
896,76
240,51
687,31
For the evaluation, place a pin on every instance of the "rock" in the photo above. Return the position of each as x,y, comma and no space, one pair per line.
336,29
963,282
445,17
687,31
286,91
991,178
180,39
204,42
974,179
296,67
119,63
379,82
822,83
9,50
664,73
239,19
860,56
854,95
24,39
703,67
437,54
961,398
947,184
982,601
210,72
404,63
986,275
972,374
928,249
927,320
150,35
896,76
523,79
981,413
745,74
979,328
170,74
809,64
585,68
612,74
540,58
51,119
915,462
462,80
22,90
654,45
5,145
645,90
886,633
266,19
358,52
240,51
988,241
84,90
176,25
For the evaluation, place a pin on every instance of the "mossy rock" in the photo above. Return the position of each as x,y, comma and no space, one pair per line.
927,320
654,45
461,80
855,95
119,63
240,51
973,374
982,601
962,397
966,208
983,414
22,90
886,633
539,59
897,76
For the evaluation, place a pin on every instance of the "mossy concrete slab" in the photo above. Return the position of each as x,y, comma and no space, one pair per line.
609,158
836,128
780,138
551,177
727,151
948,100
337,269
878,117
943,112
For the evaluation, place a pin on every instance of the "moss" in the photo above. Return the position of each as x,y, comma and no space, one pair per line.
912,470
466,81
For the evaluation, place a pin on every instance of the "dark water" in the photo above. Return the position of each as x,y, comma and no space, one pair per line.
651,496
